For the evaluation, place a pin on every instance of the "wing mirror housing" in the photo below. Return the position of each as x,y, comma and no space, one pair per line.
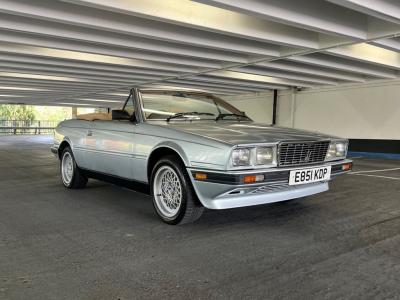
120,115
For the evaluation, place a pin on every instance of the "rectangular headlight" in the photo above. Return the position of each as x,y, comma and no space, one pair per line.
241,157
337,150
265,156
341,149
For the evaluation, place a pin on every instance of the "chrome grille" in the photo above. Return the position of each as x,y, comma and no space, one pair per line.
302,153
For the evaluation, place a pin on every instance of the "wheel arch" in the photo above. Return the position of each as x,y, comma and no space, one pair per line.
163,150
65,143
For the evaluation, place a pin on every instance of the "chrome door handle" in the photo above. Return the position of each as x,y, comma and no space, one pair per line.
89,133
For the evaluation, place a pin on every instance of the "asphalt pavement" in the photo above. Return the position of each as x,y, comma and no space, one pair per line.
105,242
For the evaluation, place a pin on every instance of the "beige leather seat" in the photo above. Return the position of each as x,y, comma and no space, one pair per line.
95,116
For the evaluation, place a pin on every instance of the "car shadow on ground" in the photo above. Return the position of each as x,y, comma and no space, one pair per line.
134,205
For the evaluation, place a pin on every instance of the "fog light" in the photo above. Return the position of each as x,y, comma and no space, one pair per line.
253,178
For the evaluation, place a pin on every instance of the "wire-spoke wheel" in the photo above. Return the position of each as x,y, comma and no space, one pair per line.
167,191
71,175
174,199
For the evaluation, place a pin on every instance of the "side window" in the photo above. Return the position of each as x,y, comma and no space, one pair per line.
130,108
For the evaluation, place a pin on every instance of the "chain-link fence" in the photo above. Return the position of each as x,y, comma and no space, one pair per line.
27,127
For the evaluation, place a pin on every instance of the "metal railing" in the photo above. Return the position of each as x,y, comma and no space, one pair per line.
27,127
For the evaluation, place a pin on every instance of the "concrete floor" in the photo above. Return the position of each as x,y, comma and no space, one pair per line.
105,242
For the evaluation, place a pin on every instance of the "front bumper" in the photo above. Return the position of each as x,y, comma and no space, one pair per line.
224,190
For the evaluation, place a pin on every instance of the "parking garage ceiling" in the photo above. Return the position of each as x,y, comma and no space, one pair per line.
91,52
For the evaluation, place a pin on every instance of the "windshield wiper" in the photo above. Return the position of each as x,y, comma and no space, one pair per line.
189,113
221,116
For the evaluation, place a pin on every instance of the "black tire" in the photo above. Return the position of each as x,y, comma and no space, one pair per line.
78,180
190,208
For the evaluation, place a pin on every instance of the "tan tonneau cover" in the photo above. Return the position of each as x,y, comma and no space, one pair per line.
95,116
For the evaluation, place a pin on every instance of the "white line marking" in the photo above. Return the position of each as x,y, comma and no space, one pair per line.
372,171
386,177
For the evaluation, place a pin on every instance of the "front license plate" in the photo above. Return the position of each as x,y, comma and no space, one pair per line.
309,175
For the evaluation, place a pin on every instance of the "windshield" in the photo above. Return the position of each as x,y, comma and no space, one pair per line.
181,105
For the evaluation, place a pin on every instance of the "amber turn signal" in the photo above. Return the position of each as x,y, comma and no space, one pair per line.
253,178
346,167
200,176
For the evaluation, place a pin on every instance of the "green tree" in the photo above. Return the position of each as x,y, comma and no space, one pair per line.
52,113
17,112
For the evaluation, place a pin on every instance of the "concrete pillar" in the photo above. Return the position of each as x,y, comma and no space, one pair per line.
74,112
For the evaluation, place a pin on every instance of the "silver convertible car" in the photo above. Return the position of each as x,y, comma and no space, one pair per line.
191,150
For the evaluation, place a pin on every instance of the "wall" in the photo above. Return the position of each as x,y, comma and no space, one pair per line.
368,114
257,106
361,111
356,111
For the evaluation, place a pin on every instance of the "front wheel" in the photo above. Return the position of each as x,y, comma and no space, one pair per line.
174,199
71,176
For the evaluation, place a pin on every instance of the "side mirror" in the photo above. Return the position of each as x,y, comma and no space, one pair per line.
120,115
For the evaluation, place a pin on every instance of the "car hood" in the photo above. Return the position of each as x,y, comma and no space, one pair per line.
244,132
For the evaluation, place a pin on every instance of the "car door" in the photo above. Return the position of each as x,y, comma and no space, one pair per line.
113,143
77,134
113,147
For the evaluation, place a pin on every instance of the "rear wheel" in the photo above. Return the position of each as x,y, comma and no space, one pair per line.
174,199
71,175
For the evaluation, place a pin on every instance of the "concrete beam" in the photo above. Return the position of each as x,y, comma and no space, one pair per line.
369,53
259,79
233,49
388,10
307,69
196,15
339,63
392,44
320,16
